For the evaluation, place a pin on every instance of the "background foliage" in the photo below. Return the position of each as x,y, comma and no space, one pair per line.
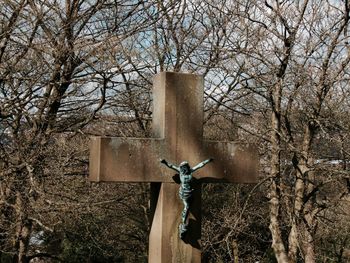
276,74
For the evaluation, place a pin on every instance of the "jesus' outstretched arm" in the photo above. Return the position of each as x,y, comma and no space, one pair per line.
171,166
200,165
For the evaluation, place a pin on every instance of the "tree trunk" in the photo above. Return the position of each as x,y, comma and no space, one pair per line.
293,243
293,239
310,224
235,251
274,193
309,248
24,227
24,242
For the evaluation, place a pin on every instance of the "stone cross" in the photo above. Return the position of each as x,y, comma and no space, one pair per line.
177,136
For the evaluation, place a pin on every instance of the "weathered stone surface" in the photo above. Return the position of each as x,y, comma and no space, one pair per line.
165,246
126,160
137,160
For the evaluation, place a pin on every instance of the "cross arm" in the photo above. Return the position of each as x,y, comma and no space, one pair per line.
233,163
115,159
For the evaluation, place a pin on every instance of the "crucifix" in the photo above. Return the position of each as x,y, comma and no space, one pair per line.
177,137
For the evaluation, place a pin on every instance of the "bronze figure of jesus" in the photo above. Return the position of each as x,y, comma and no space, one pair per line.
185,190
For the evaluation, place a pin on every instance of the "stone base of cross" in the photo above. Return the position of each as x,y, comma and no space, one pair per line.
178,136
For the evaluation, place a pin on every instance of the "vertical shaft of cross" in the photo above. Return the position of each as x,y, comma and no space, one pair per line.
178,114
178,118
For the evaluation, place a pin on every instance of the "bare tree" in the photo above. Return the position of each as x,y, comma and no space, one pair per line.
297,64
55,76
